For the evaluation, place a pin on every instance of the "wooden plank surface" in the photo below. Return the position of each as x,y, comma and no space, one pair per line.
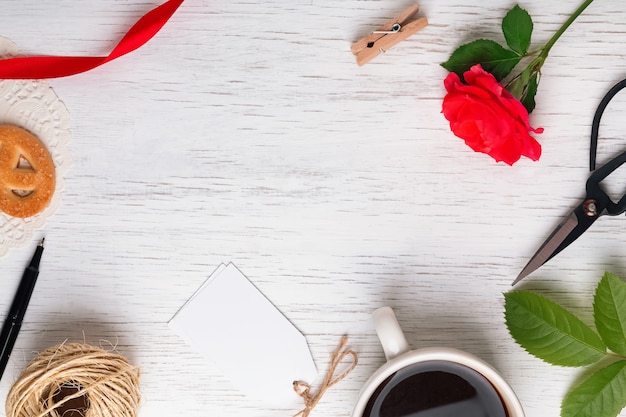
245,132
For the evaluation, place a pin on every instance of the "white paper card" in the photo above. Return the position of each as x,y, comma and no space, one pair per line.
233,324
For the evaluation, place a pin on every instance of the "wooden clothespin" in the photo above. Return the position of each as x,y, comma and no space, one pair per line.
386,36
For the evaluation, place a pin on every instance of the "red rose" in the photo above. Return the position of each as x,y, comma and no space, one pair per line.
488,118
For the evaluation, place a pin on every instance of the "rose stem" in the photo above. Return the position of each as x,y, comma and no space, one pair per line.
568,22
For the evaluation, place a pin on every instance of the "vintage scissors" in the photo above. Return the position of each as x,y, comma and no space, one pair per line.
595,204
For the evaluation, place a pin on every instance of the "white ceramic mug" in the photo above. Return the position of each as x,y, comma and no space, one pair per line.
400,357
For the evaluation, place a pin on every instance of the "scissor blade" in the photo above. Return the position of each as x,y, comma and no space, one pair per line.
568,231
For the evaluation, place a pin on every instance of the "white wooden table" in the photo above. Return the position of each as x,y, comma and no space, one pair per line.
244,132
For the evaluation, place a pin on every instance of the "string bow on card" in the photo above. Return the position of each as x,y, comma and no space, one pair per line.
40,67
304,390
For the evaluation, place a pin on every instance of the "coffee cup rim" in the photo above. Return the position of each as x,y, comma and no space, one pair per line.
508,396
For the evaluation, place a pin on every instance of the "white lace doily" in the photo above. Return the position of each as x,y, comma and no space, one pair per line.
34,106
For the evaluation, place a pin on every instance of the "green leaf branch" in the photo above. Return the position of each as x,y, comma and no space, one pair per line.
550,332
517,27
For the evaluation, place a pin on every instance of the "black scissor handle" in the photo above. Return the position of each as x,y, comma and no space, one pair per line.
594,190
595,125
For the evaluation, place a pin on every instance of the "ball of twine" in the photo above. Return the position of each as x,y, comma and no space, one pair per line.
76,379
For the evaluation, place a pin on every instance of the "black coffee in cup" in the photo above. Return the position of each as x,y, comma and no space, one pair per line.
435,389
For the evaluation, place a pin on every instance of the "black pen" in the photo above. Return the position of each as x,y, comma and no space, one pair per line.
13,322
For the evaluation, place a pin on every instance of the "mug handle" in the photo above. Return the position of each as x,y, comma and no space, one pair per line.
389,332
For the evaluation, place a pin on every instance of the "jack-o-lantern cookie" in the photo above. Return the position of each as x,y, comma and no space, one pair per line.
27,174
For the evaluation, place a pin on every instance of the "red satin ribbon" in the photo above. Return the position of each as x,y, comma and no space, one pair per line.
39,67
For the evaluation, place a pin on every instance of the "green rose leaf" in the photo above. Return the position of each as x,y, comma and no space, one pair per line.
519,85
524,88
529,100
493,57
548,331
517,27
600,395
609,311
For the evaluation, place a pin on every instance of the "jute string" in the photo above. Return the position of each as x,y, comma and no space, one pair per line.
104,382
304,390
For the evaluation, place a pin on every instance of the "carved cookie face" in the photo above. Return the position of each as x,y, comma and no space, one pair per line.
27,174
